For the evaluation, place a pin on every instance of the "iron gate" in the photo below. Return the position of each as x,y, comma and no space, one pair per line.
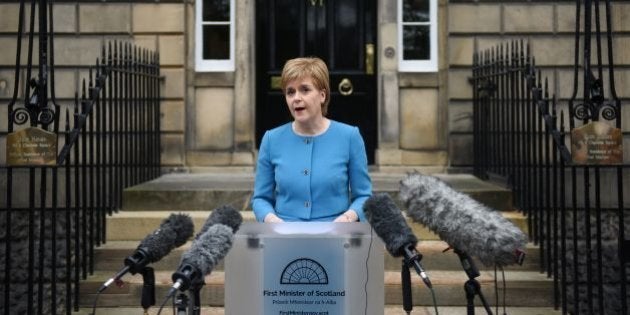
52,216
576,212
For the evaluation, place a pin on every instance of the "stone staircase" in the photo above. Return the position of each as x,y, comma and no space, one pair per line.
146,205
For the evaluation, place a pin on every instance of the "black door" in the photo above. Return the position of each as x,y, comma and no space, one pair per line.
340,32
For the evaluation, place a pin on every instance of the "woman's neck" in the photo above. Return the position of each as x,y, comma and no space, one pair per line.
312,128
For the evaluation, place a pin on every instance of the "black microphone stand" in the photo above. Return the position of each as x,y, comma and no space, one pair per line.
181,304
195,291
182,299
411,258
472,286
405,276
148,288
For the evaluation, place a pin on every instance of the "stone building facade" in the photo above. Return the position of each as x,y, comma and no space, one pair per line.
209,117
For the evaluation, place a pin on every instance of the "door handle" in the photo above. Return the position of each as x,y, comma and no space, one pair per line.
345,87
369,58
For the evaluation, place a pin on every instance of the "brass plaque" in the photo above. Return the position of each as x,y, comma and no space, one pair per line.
31,147
597,143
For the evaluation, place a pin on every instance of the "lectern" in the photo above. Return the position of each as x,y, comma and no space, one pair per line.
305,268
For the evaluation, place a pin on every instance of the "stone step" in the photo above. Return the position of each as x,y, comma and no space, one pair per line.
524,288
389,310
136,225
110,257
205,191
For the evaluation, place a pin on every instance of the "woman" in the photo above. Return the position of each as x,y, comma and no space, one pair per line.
313,168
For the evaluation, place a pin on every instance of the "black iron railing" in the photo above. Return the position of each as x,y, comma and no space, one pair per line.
52,216
576,212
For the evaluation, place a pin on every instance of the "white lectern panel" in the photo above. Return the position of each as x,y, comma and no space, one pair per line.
303,268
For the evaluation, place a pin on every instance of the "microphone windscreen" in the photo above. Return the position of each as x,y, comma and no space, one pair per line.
209,248
159,243
228,216
462,222
225,215
389,223
183,226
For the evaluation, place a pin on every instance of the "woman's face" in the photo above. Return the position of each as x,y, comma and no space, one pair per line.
304,99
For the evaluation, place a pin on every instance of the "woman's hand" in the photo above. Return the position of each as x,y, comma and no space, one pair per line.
272,218
348,216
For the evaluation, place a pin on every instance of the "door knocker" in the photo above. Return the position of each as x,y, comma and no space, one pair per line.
345,87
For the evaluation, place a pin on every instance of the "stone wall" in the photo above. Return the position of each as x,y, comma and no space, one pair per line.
548,26
220,106
611,281
21,258
412,105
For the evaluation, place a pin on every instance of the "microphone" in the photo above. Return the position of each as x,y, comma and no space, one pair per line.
225,215
390,225
462,222
183,226
173,232
202,257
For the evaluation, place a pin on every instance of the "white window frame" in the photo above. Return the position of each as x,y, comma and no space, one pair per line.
212,65
415,65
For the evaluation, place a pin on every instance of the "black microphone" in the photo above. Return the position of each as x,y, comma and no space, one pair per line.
462,222
173,232
390,225
202,257
225,215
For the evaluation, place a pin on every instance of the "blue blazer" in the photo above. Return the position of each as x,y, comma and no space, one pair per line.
314,178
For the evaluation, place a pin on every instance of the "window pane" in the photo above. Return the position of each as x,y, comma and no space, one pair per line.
216,42
216,10
416,42
416,11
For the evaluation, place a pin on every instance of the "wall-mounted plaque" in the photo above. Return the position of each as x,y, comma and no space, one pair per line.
597,143
31,147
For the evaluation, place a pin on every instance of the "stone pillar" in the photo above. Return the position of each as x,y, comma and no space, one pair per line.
388,104
244,84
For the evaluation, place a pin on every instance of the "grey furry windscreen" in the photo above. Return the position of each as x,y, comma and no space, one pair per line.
159,243
389,223
183,226
225,215
461,221
209,248
229,216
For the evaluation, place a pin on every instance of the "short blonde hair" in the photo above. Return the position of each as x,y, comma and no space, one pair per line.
312,67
